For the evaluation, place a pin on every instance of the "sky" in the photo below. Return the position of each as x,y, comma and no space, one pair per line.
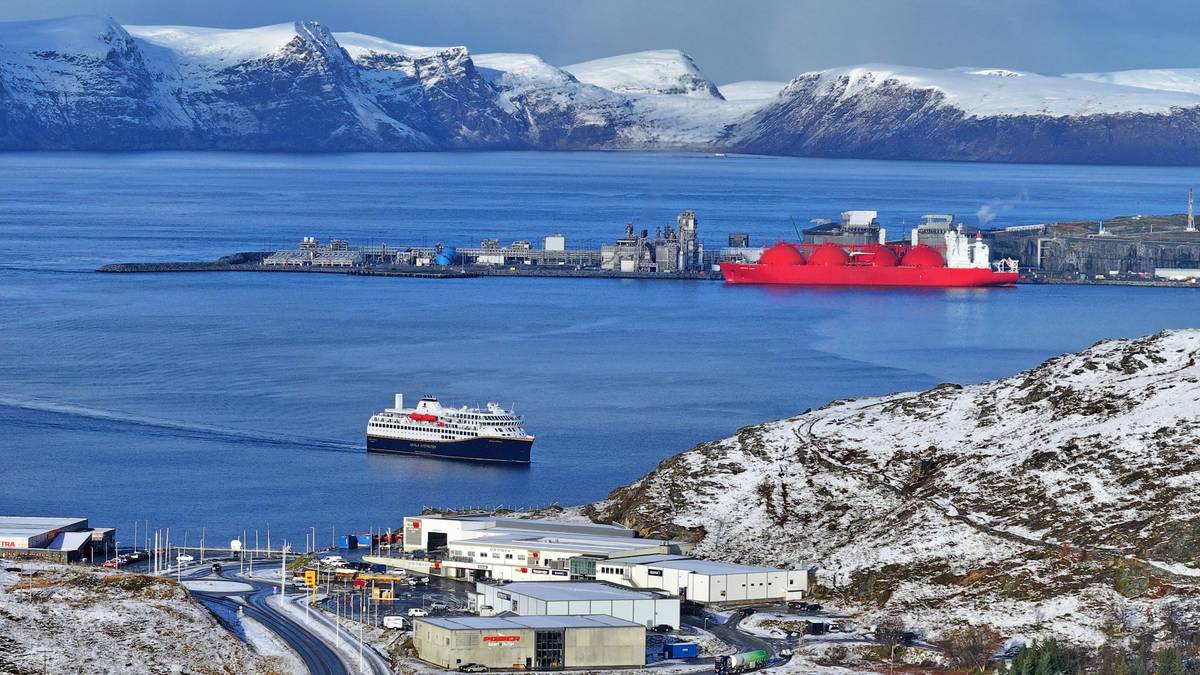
730,40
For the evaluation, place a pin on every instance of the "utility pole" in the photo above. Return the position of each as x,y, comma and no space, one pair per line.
1191,224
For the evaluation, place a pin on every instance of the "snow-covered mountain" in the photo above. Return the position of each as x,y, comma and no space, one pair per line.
1056,501
979,114
663,71
89,83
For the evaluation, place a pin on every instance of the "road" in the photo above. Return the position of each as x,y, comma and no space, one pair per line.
318,657
732,635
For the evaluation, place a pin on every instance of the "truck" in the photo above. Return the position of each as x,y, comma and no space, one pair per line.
741,663
395,622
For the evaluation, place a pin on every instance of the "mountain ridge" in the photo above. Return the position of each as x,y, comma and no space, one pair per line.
88,83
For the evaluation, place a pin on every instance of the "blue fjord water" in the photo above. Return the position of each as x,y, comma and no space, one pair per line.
224,401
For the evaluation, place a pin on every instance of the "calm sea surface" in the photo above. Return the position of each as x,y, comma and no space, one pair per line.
225,401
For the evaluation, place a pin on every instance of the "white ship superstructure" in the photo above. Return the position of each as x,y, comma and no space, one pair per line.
491,433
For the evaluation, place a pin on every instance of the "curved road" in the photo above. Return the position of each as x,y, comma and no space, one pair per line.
317,656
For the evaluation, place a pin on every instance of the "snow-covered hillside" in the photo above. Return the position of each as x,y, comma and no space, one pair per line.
70,619
1055,501
990,92
1186,80
662,71
89,83
884,111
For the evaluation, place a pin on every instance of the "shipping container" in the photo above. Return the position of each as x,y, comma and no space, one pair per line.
348,542
364,540
680,650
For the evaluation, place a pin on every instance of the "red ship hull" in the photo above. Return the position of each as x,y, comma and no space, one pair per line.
864,275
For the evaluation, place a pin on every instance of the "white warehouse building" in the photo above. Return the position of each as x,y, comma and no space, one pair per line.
512,549
706,581
578,598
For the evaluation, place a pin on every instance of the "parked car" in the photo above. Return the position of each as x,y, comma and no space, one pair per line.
216,568
438,607
746,611
184,558
834,628
394,621
472,668
417,611
333,561
662,628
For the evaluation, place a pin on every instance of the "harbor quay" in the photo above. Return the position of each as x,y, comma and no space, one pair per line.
847,251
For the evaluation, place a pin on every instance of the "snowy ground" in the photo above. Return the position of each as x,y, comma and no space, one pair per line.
73,619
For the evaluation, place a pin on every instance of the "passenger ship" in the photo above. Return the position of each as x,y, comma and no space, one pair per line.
490,434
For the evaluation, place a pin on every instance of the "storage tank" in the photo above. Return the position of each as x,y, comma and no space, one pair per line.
740,663
446,257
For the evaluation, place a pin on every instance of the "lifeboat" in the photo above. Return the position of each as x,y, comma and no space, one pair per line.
422,417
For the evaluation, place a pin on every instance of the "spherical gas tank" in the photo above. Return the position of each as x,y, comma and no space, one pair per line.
828,255
782,253
922,256
446,257
882,256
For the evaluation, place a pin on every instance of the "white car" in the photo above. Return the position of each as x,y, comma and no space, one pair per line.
333,561
438,606
417,611
394,621
184,558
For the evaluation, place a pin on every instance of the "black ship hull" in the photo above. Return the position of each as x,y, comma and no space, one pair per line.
514,450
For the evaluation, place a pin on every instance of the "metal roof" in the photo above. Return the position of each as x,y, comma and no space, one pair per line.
70,541
573,543
552,591
33,525
526,622
711,567
647,559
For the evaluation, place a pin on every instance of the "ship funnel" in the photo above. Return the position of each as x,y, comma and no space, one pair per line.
399,401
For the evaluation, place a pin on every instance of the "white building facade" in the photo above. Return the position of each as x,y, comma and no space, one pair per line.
576,598
706,581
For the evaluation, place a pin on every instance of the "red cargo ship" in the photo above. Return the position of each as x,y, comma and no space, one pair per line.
872,265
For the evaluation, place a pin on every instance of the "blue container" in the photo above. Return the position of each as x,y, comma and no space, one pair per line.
364,540
446,257
348,542
681,650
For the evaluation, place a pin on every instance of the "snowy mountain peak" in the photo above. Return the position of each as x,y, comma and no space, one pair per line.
662,71
227,46
93,36
997,92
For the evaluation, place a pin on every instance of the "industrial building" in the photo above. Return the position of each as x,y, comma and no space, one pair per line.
57,539
707,581
517,549
530,642
573,598
311,253
1177,274
671,250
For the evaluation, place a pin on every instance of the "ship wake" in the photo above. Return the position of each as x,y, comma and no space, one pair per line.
201,431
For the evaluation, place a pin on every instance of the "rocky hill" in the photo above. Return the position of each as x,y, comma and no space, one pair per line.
1062,500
